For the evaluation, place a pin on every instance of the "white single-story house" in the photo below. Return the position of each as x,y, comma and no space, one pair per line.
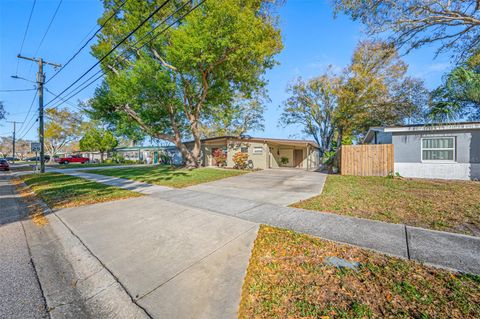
150,154
263,153
444,150
146,154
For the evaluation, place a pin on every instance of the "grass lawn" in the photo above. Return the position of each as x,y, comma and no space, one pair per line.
452,206
60,191
287,278
64,166
168,176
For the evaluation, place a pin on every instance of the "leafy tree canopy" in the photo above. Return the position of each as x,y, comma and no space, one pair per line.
188,77
376,91
459,95
61,128
373,90
98,140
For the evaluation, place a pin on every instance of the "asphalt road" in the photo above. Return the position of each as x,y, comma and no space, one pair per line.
20,293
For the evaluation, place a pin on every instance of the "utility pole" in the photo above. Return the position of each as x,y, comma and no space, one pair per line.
40,83
14,133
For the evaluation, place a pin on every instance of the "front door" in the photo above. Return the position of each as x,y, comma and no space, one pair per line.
297,157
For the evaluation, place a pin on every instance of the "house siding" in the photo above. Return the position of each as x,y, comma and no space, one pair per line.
258,160
408,158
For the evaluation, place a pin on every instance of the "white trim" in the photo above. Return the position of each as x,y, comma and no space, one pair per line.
433,127
463,171
454,149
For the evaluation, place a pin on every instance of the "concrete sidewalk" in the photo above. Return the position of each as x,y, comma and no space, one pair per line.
46,272
129,184
442,249
20,293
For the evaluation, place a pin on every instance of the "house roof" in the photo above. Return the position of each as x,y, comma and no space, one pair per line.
371,133
143,148
433,127
422,128
261,139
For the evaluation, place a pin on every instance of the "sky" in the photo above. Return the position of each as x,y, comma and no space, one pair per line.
313,39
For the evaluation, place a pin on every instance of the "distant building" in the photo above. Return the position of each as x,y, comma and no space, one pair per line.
144,154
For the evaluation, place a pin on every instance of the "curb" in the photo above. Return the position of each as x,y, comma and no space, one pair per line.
74,282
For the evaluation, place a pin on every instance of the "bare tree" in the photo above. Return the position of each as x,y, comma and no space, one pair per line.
312,105
454,24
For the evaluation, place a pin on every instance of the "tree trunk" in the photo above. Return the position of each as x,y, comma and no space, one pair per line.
197,145
190,161
101,157
192,158
339,138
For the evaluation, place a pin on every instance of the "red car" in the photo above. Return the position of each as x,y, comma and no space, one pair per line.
72,159
4,164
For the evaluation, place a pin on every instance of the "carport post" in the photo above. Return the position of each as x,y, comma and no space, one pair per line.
308,157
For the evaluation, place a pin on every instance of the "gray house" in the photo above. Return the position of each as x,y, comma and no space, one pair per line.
445,151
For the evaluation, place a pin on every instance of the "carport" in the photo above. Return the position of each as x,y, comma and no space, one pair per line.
292,154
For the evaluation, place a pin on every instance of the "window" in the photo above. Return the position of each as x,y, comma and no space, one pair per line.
244,149
258,150
438,149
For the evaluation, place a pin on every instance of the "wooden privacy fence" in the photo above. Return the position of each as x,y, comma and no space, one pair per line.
366,160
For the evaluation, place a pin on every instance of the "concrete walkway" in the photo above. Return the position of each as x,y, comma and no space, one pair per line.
447,250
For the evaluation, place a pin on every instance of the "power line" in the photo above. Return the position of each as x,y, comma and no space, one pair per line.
40,82
114,48
19,90
48,28
63,100
29,109
25,130
90,39
72,94
29,129
25,33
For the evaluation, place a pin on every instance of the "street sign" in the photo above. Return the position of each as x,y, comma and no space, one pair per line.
35,147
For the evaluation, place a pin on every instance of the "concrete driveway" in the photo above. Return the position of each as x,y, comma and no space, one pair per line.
274,186
175,261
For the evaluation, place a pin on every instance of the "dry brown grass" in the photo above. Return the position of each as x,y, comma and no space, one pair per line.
287,278
35,210
452,206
